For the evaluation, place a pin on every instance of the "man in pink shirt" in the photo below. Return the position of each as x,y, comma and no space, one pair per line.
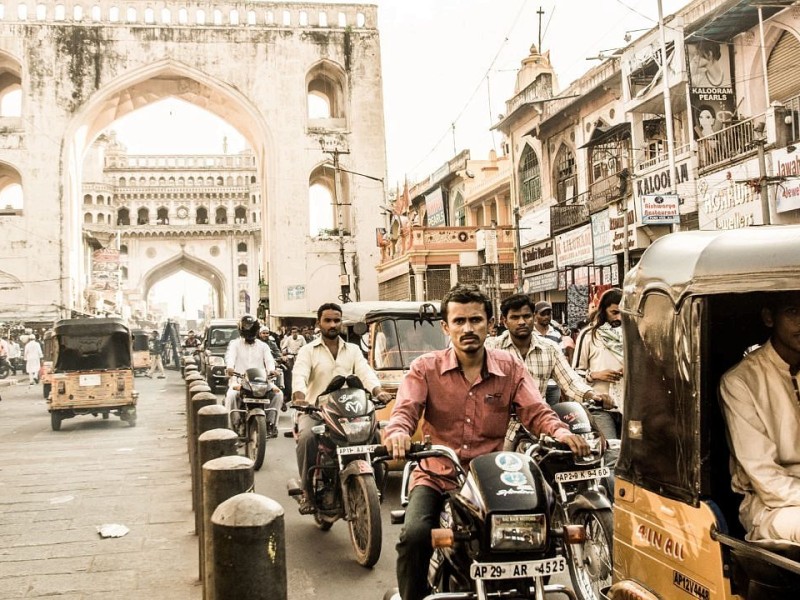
466,393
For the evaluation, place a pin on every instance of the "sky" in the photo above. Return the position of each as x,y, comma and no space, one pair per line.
448,67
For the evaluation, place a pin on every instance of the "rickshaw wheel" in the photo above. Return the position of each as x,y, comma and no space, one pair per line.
55,421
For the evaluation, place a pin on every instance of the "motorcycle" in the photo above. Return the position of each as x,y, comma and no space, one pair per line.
581,486
496,538
5,368
250,422
344,480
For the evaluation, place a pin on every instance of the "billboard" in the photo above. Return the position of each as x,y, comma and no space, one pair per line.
434,206
711,87
656,209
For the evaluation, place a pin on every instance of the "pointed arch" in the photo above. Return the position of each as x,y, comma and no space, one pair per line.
195,266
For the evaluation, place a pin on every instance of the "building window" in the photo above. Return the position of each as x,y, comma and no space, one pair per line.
240,214
241,247
565,175
530,177
123,216
242,270
325,91
221,217
202,216
123,249
459,212
143,216
162,216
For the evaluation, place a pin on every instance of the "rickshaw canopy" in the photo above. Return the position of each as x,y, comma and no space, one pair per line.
368,312
92,344
691,308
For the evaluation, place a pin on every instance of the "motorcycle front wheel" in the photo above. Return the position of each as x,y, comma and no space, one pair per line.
5,371
257,440
590,568
365,525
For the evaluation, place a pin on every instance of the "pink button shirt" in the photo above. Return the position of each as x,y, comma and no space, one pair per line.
471,419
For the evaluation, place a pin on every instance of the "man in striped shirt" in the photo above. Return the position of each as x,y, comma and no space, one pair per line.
542,357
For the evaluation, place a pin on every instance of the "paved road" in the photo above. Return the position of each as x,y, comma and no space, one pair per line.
57,487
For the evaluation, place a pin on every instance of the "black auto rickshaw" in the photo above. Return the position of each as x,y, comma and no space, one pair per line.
141,351
92,373
691,310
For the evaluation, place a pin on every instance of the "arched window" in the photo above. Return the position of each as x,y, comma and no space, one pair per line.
123,273
190,181
87,198
242,270
459,213
87,218
123,249
101,199
220,180
323,219
11,199
325,87
123,216
565,175
241,247
202,216
10,89
162,216
240,214
530,177
221,216
142,216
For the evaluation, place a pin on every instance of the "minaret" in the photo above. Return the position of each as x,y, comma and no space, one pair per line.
536,66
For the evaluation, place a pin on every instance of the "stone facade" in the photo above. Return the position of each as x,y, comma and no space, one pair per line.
255,66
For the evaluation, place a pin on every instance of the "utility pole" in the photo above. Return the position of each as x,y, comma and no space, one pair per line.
344,277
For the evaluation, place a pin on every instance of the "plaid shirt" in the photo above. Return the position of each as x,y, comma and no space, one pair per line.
544,361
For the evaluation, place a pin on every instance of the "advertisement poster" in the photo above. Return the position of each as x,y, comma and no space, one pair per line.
787,194
574,247
726,201
105,270
656,209
711,88
434,206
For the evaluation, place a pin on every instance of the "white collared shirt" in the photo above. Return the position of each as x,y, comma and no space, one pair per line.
315,366
763,418
241,356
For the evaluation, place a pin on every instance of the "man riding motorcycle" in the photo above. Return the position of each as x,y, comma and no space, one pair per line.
248,352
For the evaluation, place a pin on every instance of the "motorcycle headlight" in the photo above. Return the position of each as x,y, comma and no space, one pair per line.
216,361
518,532
357,430
260,390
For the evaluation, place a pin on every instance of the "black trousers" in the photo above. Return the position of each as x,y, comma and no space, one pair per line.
414,549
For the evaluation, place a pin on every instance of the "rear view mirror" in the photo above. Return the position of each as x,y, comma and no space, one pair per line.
360,328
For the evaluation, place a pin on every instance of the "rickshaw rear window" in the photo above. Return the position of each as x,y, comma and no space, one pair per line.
79,353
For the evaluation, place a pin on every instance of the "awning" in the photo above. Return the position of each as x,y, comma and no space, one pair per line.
619,131
733,18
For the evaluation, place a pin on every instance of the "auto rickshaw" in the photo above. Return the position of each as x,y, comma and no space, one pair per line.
691,310
392,334
141,351
93,373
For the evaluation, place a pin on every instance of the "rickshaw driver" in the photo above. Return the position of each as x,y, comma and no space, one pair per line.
761,402
466,392
247,352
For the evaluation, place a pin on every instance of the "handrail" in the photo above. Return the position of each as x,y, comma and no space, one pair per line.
728,143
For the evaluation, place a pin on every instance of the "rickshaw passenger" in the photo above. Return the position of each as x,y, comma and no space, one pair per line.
761,402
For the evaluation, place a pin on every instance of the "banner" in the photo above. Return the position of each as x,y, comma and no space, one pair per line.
659,209
711,88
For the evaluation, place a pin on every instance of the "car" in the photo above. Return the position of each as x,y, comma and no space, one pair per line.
214,343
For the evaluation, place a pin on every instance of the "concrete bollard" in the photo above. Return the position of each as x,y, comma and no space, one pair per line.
191,378
211,444
194,388
249,541
212,416
199,400
223,478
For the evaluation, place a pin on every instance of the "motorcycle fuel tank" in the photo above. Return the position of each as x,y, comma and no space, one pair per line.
508,482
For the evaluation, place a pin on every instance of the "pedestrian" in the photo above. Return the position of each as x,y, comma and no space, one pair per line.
156,348
543,327
33,359
467,393
598,357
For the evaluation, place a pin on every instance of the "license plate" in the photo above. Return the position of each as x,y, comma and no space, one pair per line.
89,380
568,476
513,570
343,450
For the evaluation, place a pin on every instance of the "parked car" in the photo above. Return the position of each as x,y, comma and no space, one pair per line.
212,350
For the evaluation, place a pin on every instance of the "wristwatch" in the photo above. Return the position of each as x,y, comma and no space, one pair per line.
589,377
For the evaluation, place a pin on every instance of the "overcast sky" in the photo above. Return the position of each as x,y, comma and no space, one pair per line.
443,61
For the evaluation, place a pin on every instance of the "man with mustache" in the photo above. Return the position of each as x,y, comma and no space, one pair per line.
542,356
467,393
761,402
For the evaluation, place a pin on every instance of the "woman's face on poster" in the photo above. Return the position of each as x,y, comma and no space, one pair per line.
706,119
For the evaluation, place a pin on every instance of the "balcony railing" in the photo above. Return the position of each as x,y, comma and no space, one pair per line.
567,216
656,158
729,143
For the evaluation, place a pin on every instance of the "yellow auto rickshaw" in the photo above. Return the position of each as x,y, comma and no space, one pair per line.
691,310
92,373
141,351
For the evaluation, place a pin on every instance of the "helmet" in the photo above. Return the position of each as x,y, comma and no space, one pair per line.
248,327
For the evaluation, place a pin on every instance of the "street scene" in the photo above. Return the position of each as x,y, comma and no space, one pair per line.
400,300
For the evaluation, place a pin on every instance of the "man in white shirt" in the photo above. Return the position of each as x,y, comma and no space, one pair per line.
317,363
761,402
291,344
248,352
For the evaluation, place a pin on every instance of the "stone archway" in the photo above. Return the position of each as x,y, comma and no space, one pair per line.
196,267
138,88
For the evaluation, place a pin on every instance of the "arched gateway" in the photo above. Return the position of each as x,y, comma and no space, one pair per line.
256,65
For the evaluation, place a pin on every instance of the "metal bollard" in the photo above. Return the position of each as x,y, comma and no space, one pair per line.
199,400
211,444
212,416
249,541
222,478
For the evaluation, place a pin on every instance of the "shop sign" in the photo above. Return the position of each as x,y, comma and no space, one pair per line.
534,225
539,258
654,183
659,209
617,224
787,194
601,238
726,201
540,283
295,292
575,246
434,206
